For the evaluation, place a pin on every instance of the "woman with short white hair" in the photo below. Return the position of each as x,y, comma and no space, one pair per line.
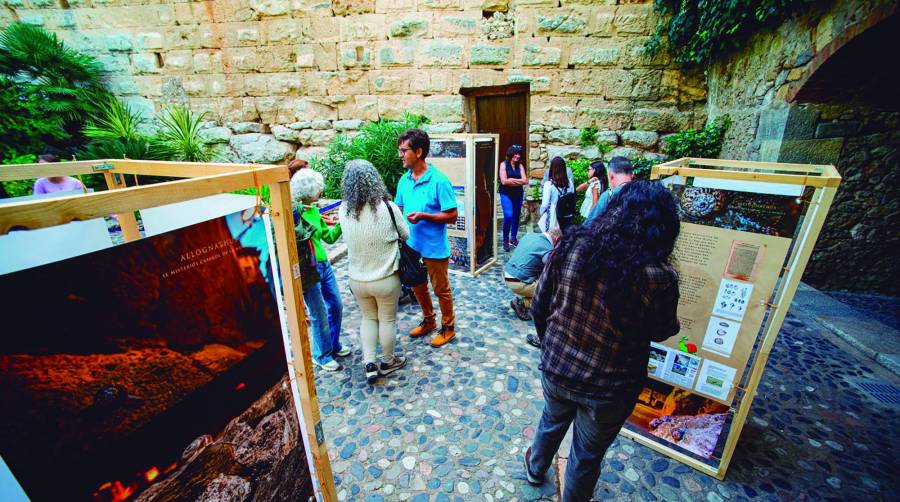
372,248
323,300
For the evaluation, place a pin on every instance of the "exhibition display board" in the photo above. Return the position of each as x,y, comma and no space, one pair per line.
747,231
178,364
470,163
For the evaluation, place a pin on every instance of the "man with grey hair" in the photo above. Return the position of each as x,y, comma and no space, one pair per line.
620,172
323,300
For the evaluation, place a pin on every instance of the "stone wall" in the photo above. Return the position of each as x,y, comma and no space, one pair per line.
280,77
857,249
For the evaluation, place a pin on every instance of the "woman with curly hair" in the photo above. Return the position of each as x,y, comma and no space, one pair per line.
606,293
371,236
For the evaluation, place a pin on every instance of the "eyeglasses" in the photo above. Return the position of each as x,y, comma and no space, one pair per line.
402,151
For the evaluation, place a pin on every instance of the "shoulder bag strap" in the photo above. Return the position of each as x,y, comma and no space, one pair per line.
393,220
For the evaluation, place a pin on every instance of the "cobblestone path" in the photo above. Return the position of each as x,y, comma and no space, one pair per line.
453,424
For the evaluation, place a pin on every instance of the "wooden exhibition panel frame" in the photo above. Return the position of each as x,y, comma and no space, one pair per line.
825,180
470,140
202,179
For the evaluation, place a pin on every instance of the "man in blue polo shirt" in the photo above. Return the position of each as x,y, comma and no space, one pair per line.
427,200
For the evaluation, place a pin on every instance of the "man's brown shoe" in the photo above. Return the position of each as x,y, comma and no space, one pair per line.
443,337
425,327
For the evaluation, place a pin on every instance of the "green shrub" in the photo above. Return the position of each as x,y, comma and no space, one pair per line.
19,188
589,135
579,175
375,142
705,143
178,137
641,167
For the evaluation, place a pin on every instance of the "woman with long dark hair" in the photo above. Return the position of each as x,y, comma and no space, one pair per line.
606,293
556,186
513,177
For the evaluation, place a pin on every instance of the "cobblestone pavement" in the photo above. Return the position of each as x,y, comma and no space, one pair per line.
885,309
453,424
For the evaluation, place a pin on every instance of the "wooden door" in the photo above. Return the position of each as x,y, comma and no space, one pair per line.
506,115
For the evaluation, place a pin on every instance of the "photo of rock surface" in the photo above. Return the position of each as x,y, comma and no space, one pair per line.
154,370
685,420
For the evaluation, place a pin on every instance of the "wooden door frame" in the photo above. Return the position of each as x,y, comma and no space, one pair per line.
472,93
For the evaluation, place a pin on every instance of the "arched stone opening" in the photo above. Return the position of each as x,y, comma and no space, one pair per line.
847,113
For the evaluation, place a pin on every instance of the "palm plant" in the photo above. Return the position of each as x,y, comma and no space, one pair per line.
114,132
179,136
63,84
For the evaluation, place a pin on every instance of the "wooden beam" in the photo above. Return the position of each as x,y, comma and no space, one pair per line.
59,210
496,90
127,221
286,246
28,171
791,179
180,169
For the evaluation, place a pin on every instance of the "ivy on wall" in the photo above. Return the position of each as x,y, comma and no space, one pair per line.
696,32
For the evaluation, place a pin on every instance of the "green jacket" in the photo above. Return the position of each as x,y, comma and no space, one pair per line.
323,232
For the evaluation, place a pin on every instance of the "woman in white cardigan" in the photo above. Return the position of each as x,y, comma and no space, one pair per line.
374,255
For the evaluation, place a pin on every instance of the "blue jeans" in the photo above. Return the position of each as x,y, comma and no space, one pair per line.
597,422
512,211
324,308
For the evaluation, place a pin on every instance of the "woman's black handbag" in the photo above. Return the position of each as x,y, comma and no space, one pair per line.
412,270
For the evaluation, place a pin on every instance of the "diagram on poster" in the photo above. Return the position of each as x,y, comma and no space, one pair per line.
732,299
721,335
715,379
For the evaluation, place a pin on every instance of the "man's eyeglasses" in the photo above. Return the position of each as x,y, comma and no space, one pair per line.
402,151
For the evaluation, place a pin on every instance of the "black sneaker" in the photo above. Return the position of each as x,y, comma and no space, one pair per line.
519,308
532,479
533,340
387,369
371,373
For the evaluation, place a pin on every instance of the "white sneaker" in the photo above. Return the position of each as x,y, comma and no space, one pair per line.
344,352
387,369
329,366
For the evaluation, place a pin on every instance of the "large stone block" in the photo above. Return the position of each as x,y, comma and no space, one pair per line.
418,26
635,55
541,81
624,151
145,63
215,134
282,31
314,137
641,139
242,60
442,53
583,82
347,125
456,25
533,3
392,107
661,120
433,82
594,55
207,62
489,54
388,83
444,128
311,8
561,22
633,19
285,84
359,108
532,54
565,136
260,148
602,114
270,7
633,84
570,152
395,6
323,29
344,83
365,27
247,127
400,53
444,108
554,112
312,108
439,4
352,7
354,55
811,151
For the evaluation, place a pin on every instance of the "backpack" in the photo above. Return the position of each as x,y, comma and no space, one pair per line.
306,253
565,210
